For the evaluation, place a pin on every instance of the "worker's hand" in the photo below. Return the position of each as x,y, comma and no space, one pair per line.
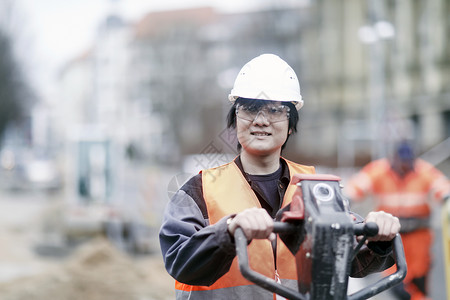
255,222
388,225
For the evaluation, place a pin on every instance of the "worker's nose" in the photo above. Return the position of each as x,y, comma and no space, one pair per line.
261,119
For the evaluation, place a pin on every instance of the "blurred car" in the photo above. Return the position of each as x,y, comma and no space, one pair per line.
43,175
29,174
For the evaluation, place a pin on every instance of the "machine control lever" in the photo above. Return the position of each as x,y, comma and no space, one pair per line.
365,230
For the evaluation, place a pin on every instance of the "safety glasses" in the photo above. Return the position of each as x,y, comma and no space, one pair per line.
272,113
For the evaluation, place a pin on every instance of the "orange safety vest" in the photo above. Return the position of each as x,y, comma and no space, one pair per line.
226,192
406,196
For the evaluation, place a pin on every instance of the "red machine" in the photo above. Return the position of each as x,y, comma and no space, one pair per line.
319,231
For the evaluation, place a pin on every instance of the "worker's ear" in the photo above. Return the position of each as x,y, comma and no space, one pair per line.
290,131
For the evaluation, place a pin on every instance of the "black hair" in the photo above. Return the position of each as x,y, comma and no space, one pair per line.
293,116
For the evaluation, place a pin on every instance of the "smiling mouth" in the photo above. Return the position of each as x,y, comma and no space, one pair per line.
260,133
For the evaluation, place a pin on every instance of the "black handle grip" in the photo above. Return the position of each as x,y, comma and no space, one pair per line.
283,227
367,229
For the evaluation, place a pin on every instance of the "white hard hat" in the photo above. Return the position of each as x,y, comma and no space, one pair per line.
267,77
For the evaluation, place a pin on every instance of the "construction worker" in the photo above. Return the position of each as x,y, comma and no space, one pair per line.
196,235
405,186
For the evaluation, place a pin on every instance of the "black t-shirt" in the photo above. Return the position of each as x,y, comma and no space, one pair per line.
268,186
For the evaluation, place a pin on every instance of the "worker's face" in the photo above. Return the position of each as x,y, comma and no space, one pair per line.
403,166
261,137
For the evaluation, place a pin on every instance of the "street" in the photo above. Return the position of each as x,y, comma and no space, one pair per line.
29,219
93,270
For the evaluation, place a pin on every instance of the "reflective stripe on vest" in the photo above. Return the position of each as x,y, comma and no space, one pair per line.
232,293
226,192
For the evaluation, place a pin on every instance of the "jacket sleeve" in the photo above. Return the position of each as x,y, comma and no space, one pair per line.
194,252
368,261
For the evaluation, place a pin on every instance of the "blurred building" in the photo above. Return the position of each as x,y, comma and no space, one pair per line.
170,74
93,113
371,72
377,73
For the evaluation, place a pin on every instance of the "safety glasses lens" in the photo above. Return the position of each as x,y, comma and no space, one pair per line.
273,113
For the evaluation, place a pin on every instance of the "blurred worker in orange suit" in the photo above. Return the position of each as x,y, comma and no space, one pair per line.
405,186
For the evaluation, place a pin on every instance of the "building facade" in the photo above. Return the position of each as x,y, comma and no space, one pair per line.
371,73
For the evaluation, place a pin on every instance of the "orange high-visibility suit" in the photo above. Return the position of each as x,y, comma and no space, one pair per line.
409,198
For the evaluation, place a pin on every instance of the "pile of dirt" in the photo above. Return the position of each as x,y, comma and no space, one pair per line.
96,271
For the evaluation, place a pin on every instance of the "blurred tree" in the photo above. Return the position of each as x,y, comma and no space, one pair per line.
15,86
14,92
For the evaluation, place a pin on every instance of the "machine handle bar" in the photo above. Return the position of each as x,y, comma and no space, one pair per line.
365,230
388,281
255,277
271,285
